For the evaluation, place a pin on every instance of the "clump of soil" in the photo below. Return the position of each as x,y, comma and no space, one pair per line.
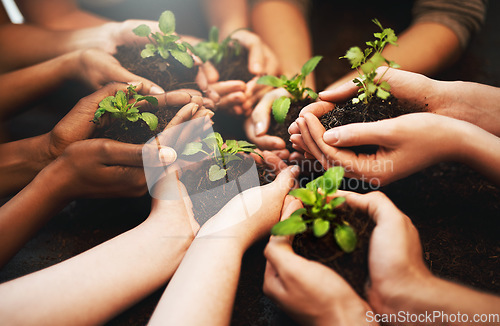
353,267
281,129
234,67
170,74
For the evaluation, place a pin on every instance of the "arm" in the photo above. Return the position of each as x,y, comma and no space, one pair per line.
207,278
403,282
96,285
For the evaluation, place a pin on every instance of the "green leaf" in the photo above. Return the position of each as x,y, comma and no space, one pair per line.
331,180
292,225
121,100
244,143
218,136
167,22
133,110
355,56
232,157
270,81
385,86
108,103
213,35
345,237
310,65
150,119
280,108
376,22
183,57
98,113
336,202
133,117
164,53
151,99
312,94
391,36
320,227
231,145
146,53
192,148
216,173
383,94
307,196
142,30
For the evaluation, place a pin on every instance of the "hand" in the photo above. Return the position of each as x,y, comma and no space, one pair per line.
310,292
98,68
259,209
407,144
100,168
395,242
471,102
258,123
232,96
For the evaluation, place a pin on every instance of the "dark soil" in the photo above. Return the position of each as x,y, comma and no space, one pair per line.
169,74
234,67
281,129
353,267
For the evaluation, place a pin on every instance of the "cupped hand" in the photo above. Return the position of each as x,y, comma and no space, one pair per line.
395,242
310,292
257,125
407,144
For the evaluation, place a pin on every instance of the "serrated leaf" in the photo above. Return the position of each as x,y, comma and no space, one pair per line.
355,56
310,65
331,180
368,67
390,36
280,108
150,119
216,173
192,148
107,103
307,196
292,225
213,35
183,57
320,227
270,81
98,113
121,100
346,238
142,30
167,22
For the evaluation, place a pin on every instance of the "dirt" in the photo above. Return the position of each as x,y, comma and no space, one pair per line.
168,74
234,67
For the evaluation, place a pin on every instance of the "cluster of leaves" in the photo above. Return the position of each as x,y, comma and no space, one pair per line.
221,152
166,43
123,108
295,86
213,50
318,214
366,68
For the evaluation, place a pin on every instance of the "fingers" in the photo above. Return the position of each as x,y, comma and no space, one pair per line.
252,42
167,155
264,142
261,115
376,205
291,205
355,134
118,153
274,161
230,86
339,94
285,180
210,72
318,109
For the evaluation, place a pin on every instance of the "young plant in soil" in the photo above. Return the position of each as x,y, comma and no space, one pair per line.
228,56
317,214
122,108
221,153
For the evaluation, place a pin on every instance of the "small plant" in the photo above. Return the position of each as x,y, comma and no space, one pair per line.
213,50
317,214
167,42
295,86
366,68
119,107
222,153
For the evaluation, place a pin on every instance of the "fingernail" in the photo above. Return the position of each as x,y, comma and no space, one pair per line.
331,136
156,90
195,109
295,169
259,128
167,155
292,126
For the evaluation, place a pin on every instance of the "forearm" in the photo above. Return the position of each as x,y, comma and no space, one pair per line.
227,15
205,282
21,162
284,28
94,286
29,84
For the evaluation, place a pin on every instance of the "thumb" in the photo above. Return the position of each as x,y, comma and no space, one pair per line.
261,115
285,181
367,133
339,94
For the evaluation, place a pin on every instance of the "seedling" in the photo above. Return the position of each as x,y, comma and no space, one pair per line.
123,108
222,153
295,86
213,50
318,214
165,43
366,68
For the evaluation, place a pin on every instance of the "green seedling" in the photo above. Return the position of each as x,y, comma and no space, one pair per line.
214,51
222,153
295,86
165,43
366,66
318,214
123,108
